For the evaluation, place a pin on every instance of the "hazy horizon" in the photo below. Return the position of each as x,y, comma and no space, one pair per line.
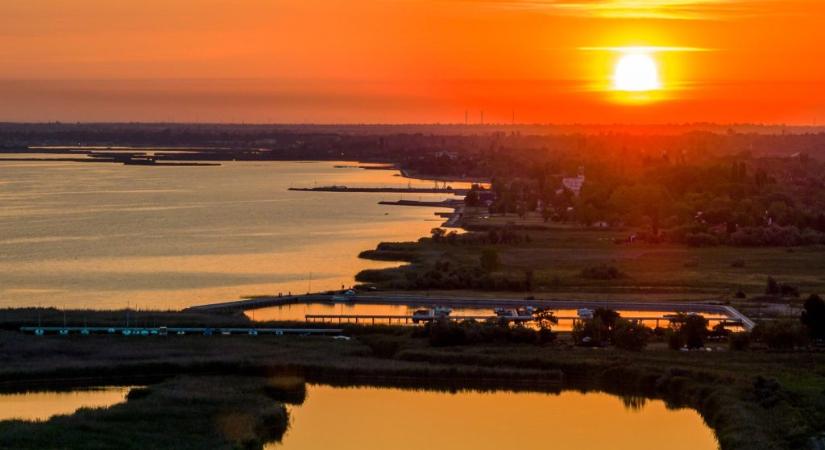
418,61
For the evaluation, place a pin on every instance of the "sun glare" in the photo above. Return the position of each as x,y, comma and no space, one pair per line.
636,71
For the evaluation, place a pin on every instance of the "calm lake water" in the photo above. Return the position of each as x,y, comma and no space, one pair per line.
384,418
38,406
365,418
103,235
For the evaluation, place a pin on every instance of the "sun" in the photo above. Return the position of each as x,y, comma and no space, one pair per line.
636,71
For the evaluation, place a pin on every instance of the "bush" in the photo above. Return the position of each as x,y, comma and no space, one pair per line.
444,332
545,336
701,240
781,334
772,287
602,272
690,330
489,260
739,341
590,332
675,340
813,317
522,335
382,346
630,335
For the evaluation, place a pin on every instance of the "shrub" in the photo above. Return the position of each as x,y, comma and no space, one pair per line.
701,240
590,332
786,290
630,335
691,331
739,341
489,260
772,287
675,340
382,346
602,272
545,336
521,335
813,317
444,332
781,334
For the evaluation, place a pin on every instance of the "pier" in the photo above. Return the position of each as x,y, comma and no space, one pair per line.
733,316
411,190
373,319
393,318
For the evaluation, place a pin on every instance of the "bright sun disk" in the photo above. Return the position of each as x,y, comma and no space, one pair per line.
636,72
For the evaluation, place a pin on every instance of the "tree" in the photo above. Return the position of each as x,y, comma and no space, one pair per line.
471,199
773,287
781,334
598,330
813,317
438,234
590,332
608,316
545,318
691,330
489,260
528,280
630,335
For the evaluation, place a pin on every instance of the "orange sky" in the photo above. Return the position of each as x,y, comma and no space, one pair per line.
406,60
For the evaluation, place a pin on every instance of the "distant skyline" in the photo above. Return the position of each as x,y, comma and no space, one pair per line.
409,61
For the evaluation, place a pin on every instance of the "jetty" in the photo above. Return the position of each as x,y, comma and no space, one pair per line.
442,204
732,315
390,190
373,319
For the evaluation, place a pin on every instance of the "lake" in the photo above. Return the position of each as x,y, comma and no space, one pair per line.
104,236
367,418
39,406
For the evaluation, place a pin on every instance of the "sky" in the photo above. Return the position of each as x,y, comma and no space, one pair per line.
409,61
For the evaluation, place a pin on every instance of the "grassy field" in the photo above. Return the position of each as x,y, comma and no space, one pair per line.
557,256
753,400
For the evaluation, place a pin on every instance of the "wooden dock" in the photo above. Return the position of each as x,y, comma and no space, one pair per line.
386,190
733,315
393,318
372,319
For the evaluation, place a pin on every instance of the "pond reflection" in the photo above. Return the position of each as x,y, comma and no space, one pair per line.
366,418
39,406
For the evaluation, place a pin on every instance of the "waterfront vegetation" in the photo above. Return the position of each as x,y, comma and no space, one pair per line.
575,262
205,412
699,224
757,398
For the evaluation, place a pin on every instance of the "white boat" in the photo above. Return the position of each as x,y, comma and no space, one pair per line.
441,311
504,312
348,296
432,313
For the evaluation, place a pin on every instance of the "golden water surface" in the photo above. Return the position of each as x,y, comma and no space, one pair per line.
382,418
103,235
39,406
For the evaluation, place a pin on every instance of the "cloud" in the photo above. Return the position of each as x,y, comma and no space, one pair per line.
637,9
